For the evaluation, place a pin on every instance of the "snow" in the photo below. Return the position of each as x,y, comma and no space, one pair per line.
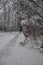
25,55
19,55
5,38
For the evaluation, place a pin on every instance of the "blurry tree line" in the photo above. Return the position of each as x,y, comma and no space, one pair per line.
12,12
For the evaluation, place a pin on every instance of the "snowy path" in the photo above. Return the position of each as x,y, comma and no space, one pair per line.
6,38
15,54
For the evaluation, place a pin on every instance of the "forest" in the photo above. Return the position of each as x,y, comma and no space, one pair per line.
12,12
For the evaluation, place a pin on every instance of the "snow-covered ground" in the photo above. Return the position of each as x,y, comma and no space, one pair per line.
6,33
16,54
5,38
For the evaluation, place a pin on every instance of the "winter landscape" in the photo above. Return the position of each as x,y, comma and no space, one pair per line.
21,32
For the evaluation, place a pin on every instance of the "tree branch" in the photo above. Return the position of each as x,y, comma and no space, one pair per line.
38,13
37,6
34,3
